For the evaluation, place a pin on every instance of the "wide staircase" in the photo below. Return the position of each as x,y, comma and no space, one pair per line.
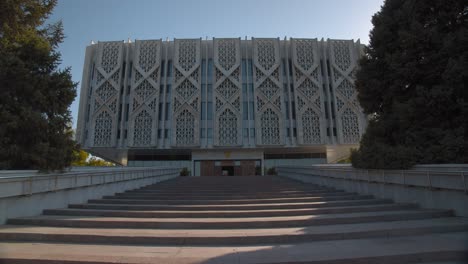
236,220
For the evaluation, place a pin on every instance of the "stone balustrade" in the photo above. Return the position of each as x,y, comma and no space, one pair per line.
26,193
430,186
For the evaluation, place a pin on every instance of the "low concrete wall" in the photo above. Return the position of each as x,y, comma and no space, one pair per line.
27,193
430,186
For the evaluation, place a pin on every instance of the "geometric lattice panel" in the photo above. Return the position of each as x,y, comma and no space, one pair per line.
307,86
343,64
106,96
186,95
144,94
268,91
227,93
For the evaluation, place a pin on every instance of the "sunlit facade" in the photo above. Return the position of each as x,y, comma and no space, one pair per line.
220,106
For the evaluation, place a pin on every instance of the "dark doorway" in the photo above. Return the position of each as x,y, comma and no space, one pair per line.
227,170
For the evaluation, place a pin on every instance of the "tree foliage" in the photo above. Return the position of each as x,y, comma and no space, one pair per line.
35,94
411,83
82,158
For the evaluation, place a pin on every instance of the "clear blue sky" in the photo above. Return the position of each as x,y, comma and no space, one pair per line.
102,20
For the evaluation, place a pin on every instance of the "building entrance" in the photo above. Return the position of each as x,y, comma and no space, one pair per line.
227,167
227,170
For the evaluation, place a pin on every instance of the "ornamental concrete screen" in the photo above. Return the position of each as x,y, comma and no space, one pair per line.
220,106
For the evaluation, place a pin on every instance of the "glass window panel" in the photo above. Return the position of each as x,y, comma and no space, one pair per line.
251,110
209,111
245,113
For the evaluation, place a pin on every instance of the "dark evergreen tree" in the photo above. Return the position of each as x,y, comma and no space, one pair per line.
411,83
35,94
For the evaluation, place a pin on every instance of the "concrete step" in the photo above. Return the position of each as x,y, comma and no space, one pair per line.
228,223
229,192
230,213
210,207
226,196
232,236
225,200
396,250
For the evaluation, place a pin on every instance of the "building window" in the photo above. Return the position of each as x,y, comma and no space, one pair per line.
245,113
286,104
160,111
333,109
168,89
209,89
162,67
130,71
161,89
203,110
210,70
244,69
209,111
252,132
126,112
168,108
169,68
251,110
166,133
210,133
202,133
203,70
283,65
250,70
293,110
326,109
159,133
203,92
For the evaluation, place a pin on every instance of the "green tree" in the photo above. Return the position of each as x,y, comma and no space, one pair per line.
81,158
411,83
35,94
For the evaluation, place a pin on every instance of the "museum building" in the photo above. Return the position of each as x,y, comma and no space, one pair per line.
221,106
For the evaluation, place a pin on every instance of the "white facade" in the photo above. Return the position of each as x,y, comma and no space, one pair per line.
159,98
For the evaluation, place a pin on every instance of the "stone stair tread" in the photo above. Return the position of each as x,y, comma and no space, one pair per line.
345,228
231,213
233,219
241,205
344,197
434,247
237,206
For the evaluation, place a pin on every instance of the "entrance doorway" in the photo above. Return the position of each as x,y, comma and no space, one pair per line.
227,167
227,170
